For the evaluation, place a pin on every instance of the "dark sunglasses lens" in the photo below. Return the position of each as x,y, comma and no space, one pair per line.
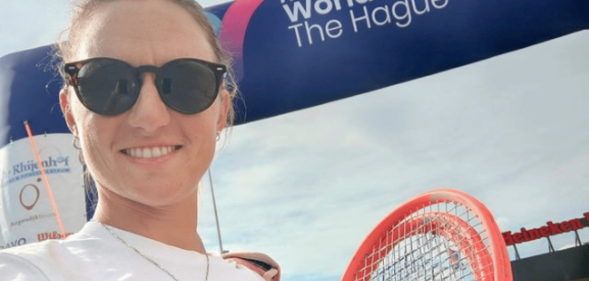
188,86
107,86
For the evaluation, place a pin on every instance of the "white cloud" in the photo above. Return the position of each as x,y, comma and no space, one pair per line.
30,24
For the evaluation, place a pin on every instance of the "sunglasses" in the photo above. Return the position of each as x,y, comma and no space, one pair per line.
110,86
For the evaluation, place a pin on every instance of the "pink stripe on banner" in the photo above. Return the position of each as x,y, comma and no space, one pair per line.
233,29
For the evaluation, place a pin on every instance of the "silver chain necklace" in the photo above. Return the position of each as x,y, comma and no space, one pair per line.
150,260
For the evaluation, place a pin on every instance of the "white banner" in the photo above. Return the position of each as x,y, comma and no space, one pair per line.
26,215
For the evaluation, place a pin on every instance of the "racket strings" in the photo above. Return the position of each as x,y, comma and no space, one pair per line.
480,238
442,241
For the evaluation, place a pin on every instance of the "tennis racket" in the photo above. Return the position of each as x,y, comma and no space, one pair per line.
439,235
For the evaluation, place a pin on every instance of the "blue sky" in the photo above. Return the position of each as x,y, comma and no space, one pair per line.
306,187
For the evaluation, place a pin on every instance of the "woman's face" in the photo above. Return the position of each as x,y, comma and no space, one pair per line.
147,32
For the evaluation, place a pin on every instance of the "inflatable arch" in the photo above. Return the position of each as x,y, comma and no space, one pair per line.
288,54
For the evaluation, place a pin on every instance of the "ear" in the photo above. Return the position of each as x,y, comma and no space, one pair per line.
225,106
66,108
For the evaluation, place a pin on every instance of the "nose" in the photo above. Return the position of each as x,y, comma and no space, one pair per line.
149,112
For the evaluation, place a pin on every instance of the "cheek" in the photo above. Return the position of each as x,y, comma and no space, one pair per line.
96,137
96,130
205,124
202,133
100,158
95,140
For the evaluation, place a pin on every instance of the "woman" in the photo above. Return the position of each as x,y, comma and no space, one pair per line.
146,99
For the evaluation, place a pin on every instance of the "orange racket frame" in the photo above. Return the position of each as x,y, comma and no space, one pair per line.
398,223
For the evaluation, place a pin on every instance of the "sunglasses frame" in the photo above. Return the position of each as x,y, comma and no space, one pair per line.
72,69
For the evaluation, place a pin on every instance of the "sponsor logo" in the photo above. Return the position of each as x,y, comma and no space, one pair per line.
29,196
397,13
549,229
52,235
30,168
31,165
14,243
31,219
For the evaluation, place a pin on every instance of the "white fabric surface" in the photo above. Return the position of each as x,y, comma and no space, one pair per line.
95,254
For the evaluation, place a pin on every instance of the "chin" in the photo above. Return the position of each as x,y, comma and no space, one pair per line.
156,196
150,193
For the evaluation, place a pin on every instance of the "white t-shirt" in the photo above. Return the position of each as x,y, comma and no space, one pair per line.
95,254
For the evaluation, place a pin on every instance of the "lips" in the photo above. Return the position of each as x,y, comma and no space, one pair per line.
150,152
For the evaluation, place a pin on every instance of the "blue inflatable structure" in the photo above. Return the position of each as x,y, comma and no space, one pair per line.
294,54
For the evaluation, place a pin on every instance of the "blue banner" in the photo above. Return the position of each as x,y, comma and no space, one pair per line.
294,54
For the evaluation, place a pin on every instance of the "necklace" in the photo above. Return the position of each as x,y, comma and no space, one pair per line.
150,260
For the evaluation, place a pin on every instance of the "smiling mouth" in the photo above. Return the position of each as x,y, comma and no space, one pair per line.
150,152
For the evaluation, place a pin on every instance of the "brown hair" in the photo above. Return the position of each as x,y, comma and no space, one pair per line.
83,9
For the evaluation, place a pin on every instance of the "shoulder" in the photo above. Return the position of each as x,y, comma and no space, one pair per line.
19,263
48,260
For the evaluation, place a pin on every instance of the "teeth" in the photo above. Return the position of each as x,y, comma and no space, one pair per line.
156,152
152,152
146,153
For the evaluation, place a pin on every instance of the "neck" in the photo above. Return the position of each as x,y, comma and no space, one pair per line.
174,225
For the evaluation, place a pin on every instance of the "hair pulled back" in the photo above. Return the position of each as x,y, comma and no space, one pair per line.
84,9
